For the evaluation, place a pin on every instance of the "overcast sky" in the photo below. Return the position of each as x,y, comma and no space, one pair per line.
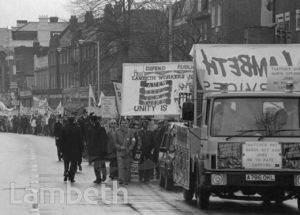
12,10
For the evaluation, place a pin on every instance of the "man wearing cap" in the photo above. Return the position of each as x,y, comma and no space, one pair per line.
58,127
72,144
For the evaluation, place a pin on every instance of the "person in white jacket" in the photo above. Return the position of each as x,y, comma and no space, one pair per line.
33,125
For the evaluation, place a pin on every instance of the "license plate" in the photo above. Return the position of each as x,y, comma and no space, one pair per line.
260,177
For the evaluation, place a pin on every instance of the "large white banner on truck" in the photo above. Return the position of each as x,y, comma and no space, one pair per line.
155,88
242,67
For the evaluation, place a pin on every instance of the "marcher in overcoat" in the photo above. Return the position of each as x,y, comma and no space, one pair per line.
125,141
147,139
72,145
112,150
97,148
58,129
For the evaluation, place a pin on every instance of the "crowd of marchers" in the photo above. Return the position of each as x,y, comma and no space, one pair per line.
41,124
118,142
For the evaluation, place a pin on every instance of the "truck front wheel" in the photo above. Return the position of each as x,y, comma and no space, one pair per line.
168,185
203,199
161,179
298,201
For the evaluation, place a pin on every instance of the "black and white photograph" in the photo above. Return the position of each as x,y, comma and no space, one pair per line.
149,107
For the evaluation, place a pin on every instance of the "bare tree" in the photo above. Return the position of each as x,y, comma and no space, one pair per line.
79,7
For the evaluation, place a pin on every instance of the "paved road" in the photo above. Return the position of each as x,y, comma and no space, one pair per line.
28,164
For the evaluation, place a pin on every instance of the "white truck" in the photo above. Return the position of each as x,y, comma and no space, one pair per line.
245,140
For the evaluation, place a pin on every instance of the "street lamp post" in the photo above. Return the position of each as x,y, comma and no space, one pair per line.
98,61
170,33
57,54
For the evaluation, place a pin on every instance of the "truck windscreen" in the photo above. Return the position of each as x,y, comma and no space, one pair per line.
260,116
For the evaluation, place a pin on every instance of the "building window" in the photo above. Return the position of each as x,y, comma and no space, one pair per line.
54,33
297,19
55,82
219,14
213,14
17,65
62,81
280,21
205,32
65,56
84,52
199,5
66,81
201,32
287,21
61,60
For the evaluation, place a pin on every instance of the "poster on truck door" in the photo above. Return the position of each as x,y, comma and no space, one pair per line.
244,67
155,88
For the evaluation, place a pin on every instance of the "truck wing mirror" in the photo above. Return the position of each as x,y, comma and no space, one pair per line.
204,132
188,111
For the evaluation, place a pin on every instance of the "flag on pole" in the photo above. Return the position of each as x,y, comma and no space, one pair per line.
4,108
92,105
50,110
23,110
92,100
100,99
43,103
118,93
36,102
59,109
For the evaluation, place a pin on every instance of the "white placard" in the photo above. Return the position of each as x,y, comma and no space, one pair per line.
262,155
154,88
108,107
279,76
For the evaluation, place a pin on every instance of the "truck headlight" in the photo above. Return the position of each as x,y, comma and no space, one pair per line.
297,180
218,179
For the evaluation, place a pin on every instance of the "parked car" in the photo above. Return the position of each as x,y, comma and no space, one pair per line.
166,156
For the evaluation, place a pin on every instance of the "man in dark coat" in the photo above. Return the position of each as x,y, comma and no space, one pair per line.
72,145
58,128
97,148
147,140
15,124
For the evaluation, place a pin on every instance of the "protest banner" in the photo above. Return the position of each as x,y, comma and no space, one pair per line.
242,67
154,88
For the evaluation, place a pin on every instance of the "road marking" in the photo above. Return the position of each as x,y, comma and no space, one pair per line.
34,181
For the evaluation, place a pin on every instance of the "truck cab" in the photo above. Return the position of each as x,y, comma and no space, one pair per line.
248,147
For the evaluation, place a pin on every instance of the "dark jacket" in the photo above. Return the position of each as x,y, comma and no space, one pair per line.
148,142
111,146
72,141
97,142
58,130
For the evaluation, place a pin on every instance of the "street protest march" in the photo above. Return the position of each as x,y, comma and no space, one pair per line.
155,88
